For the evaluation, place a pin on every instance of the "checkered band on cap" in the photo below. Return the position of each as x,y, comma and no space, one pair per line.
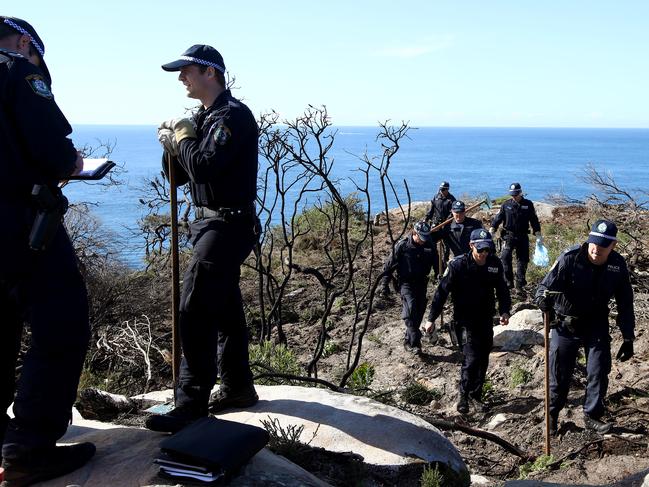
603,235
38,47
203,62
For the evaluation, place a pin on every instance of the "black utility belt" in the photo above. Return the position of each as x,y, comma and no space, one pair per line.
571,324
203,212
510,234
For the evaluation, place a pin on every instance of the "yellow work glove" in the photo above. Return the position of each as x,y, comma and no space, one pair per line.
184,129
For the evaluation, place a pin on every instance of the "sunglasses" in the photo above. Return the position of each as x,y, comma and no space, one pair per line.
482,251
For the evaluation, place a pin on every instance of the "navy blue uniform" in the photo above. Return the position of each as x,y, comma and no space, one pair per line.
221,168
43,288
516,219
413,264
582,309
459,235
440,211
440,208
474,304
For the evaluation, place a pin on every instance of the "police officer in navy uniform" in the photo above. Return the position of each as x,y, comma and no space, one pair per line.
215,152
412,258
471,279
440,205
460,229
517,215
439,211
40,286
577,290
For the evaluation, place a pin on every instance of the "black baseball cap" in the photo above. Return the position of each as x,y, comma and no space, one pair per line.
603,233
25,28
481,239
423,230
458,206
515,189
198,54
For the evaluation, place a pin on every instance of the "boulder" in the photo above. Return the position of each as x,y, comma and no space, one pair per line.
383,435
125,458
544,210
527,318
525,328
496,421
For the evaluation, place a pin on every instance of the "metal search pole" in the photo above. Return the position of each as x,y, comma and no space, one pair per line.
175,273
546,336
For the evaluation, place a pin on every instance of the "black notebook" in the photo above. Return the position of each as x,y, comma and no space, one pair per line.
210,449
94,169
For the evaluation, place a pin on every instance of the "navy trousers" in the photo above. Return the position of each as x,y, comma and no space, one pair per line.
212,322
413,301
45,290
479,341
564,347
520,245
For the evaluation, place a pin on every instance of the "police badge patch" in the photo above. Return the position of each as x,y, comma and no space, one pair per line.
222,134
39,86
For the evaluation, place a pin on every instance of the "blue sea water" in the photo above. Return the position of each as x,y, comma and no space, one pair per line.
474,160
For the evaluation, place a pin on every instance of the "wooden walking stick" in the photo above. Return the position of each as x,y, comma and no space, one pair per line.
485,202
175,273
440,249
546,336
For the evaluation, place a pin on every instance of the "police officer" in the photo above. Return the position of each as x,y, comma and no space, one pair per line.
516,215
42,287
460,229
440,205
216,153
440,210
471,279
412,258
578,289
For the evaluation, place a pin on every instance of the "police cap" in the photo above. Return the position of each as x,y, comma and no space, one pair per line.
458,206
24,28
481,239
515,189
198,54
603,233
423,230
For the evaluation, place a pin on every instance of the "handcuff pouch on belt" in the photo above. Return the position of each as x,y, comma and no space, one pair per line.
457,333
51,205
571,324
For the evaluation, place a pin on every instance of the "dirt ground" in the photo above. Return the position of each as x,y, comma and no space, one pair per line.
578,456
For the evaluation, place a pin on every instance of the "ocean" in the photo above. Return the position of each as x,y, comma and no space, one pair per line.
474,160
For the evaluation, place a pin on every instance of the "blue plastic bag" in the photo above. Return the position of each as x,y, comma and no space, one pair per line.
541,257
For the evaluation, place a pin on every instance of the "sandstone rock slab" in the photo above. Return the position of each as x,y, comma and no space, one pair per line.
381,434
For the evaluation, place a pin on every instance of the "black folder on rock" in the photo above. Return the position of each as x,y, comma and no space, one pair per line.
212,448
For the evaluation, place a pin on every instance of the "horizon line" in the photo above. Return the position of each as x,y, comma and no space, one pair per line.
411,126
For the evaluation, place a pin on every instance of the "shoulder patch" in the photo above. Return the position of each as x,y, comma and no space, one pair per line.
39,86
222,134
233,104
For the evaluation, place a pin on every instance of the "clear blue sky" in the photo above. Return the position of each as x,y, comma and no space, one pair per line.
465,63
